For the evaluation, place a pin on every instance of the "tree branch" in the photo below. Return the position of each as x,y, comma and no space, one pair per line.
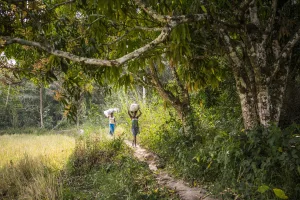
237,64
284,54
289,46
92,61
232,51
61,4
146,82
253,14
147,28
151,12
243,7
162,37
170,20
167,95
272,18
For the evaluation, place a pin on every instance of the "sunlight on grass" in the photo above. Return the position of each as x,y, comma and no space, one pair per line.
53,149
30,165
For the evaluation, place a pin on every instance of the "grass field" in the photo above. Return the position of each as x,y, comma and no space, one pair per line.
51,149
30,165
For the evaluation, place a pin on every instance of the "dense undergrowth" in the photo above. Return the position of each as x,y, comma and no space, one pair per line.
219,154
261,164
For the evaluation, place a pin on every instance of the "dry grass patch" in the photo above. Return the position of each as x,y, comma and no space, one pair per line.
53,149
30,165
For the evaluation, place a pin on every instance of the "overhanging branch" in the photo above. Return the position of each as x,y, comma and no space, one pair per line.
167,95
170,20
61,4
92,61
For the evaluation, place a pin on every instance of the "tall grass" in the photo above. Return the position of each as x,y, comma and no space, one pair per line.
30,165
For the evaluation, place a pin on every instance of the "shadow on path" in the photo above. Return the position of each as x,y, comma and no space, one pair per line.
163,178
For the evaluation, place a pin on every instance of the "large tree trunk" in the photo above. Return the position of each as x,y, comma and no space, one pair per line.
263,105
186,115
7,97
41,107
79,109
261,76
144,92
248,105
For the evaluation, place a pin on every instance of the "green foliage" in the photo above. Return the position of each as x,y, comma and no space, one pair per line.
234,165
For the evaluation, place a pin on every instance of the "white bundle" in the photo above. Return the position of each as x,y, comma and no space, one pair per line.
109,111
134,107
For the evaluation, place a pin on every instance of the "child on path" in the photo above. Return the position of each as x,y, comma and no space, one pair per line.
134,124
112,123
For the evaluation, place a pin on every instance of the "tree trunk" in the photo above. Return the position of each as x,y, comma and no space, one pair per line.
263,105
186,115
41,107
77,118
79,109
180,102
261,76
144,92
7,97
248,105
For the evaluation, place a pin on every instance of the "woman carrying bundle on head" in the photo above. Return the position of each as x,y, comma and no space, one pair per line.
134,116
112,120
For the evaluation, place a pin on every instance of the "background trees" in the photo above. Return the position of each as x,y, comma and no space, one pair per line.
256,38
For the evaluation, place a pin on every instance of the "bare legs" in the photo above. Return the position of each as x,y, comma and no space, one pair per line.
134,141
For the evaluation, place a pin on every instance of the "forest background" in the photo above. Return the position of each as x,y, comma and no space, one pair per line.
218,84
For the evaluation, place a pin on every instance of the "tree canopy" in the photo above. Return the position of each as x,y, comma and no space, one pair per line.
253,39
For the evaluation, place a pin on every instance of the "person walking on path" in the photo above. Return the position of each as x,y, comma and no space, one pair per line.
134,116
112,123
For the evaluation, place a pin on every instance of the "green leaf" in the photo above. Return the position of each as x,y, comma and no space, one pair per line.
280,193
204,9
262,189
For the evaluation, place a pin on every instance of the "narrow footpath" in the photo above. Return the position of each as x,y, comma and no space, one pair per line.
163,178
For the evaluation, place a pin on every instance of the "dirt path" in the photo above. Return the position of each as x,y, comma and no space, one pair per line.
185,192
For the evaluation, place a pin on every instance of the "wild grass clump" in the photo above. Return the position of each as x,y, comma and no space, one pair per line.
29,179
30,165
